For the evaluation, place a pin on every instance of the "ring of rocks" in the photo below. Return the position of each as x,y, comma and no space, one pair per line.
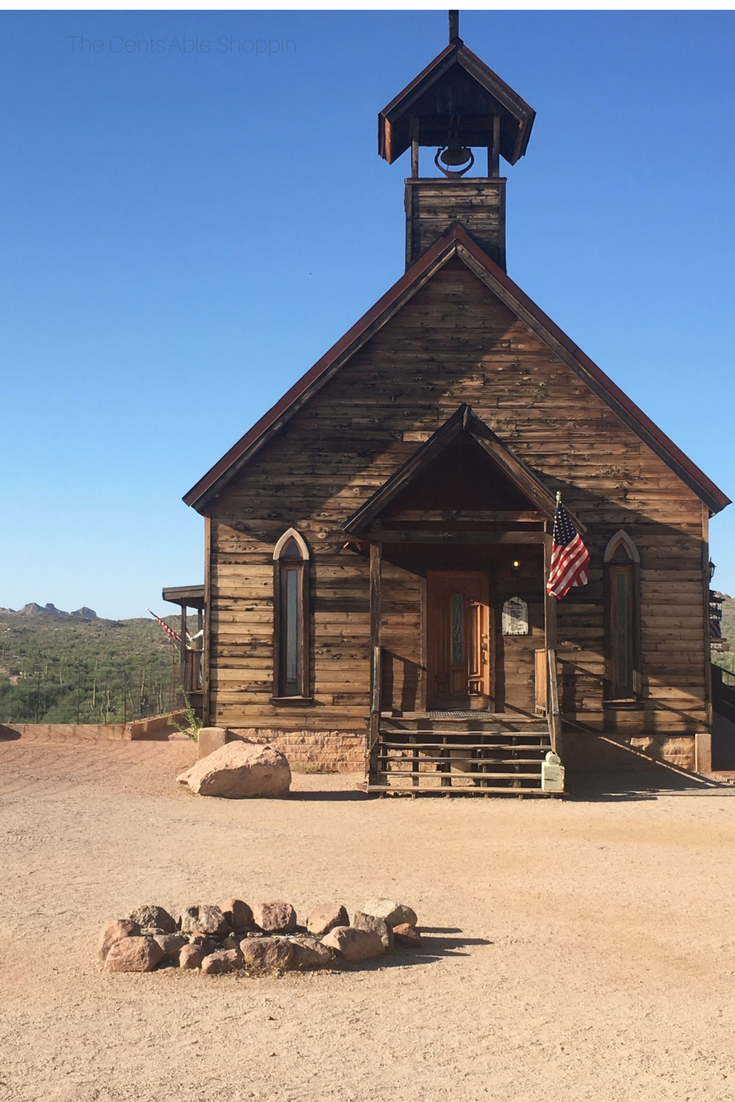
258,939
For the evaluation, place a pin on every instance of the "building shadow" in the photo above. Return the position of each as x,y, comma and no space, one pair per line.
646,783
330,796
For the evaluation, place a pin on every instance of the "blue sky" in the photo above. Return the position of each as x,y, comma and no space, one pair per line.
184,234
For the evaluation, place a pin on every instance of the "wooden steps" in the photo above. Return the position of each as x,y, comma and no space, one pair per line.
492,754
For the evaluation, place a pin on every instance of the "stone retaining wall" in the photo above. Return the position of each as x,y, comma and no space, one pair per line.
150,728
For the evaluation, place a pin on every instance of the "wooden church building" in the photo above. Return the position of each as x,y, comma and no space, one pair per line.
378,544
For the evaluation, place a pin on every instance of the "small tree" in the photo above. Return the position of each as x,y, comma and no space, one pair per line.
190,716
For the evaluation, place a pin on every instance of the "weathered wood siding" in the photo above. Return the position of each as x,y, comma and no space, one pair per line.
431,205
453,342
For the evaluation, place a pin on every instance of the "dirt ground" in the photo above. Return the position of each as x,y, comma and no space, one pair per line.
576,949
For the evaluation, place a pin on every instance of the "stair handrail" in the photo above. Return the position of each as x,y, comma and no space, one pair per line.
553,714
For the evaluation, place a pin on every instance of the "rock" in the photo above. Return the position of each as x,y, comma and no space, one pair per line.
114,931
267,954
238,770
134,954
352,944
325,918
407,935
395,914
204,944
210,739
369,922
171,944
310,953
238,915
203,918
154,916
224,960
275,918
190,956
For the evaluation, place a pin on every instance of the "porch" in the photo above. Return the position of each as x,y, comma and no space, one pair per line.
483,710
191,647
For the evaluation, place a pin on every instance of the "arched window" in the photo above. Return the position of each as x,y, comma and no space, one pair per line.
622,614
291,617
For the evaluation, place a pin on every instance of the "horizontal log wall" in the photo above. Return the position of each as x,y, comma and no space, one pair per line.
453,342
431,205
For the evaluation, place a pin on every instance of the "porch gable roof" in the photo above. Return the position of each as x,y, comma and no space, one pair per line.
462,421
455,241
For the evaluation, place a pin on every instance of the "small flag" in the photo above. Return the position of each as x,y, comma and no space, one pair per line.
169,631
570,558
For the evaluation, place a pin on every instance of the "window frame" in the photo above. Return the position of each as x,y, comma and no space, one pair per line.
617,695
283,693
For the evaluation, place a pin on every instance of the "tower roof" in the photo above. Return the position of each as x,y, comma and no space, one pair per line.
458,92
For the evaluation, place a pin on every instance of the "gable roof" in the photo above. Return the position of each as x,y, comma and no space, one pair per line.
455,241
456,84
462,421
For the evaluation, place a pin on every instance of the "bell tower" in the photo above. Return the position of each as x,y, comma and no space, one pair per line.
471,118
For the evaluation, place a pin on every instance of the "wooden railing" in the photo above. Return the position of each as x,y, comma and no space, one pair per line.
192,671
373,732
553,714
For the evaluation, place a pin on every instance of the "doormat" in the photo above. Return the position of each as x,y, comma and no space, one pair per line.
461,715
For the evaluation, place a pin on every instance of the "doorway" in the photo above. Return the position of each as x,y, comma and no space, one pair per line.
459,655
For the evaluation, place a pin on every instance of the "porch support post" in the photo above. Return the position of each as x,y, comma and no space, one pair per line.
376,555
549,600
552,690
184,684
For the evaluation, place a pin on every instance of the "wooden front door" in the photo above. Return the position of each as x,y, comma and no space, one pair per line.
458,639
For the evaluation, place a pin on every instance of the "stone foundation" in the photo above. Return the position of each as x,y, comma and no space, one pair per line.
590,753
320,751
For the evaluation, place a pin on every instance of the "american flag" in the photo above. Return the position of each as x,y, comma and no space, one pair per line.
169,631
570,558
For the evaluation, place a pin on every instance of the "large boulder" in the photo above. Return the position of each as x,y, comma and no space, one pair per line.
203,918
239,770
325,918
369,922
134,954
274,918
267,954
153,916
115,931
354,945
395,914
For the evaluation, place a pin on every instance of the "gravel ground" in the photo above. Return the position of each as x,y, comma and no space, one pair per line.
576,949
